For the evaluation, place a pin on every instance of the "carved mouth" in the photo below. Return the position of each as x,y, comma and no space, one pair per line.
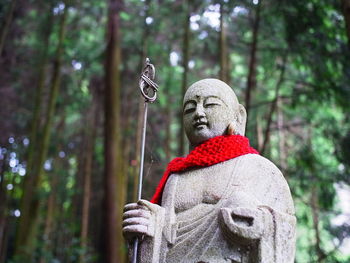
199,124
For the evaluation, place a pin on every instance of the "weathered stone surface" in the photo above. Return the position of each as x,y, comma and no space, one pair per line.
239,210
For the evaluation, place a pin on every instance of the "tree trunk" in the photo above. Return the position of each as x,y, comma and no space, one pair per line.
185,59
35,123
3,210
6,26
25,239
281,137
224,58
114,181
346,13
90,135
50,211
4,239
168,131
259,131
251,81
316,225
273,105
168,114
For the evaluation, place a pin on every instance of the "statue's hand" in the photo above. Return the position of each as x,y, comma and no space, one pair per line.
243,225
140,219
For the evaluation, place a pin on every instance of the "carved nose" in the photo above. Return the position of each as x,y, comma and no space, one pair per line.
199,112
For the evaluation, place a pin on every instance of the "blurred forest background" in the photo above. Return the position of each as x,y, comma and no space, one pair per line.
70,112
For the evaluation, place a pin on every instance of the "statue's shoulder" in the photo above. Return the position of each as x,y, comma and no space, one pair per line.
259,164
263,179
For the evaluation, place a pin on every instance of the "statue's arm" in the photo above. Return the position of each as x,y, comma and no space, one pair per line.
260,211
145,221
243,225
272,232
246,225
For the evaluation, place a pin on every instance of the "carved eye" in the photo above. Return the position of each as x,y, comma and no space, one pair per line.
212,102
211,105
189,110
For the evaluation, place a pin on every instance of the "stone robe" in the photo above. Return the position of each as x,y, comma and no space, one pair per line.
200,222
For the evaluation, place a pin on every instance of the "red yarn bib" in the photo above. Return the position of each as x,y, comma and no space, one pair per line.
210,152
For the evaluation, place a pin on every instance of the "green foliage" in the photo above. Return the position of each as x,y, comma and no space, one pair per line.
309,134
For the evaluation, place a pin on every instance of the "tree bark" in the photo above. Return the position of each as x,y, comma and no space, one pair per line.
50,211
251,81
6,26
281,137
316,226
169,116
114,181
346,13
224,58
35,123
273,106
3,210
90,137
185,59
259,131
168,131
25,239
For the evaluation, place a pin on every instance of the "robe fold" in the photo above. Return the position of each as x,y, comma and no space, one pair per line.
196,229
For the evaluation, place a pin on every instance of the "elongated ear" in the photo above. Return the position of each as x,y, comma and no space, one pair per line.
231,129
241,119
237,126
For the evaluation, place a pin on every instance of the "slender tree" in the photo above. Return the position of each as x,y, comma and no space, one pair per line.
114,180
224,58
251,81
346,13
3,210
6,25
51,203
281,136
273,105
259,131
90,136
185,59
38,100
168,113
316,223
49,220
25,240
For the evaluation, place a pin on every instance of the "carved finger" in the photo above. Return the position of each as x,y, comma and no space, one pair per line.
242,225
136,221
133,206
135,229
137,213
244,212
226,215
238,229
148,205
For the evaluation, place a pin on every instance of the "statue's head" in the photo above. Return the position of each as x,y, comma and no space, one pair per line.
210,109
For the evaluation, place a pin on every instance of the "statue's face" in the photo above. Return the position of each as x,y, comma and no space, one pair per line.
206,113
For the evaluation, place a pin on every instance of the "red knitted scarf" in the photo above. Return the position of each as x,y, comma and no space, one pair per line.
210,152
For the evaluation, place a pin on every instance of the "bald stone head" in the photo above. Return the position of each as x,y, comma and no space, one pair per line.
210,109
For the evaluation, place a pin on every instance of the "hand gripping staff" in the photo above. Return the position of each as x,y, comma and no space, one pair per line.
148,90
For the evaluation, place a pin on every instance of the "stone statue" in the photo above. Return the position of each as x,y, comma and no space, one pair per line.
236,208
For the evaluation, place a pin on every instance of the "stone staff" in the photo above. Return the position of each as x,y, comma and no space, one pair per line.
148,90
